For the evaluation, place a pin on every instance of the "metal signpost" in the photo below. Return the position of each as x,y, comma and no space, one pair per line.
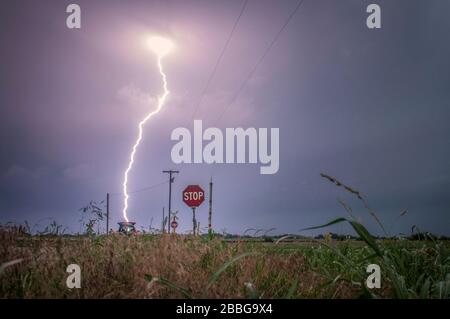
193,196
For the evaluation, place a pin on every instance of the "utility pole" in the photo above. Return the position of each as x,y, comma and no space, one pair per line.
171,179
107,213
194,223
163,220
210,207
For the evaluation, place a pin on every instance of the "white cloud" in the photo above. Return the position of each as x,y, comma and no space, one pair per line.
17,171
136,97
79,172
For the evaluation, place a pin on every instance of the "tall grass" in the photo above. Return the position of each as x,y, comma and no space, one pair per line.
184,267
412,270
124,267
181,266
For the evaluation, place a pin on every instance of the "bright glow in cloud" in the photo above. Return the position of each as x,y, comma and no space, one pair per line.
160,46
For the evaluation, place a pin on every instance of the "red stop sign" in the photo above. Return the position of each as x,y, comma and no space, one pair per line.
193,196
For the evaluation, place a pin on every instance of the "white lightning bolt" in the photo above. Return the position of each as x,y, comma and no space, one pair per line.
160,47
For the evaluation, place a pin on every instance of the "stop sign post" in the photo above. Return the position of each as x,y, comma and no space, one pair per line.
174,224
193,196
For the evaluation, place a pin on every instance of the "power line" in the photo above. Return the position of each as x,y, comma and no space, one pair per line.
219,59
250,75
148,188
142,189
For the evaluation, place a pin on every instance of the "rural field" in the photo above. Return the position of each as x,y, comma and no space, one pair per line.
182,266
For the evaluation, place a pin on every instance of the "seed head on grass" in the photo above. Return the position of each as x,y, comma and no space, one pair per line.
358,195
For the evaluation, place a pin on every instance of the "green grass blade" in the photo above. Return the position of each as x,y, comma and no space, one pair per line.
347,260
292,290
365,235
216,275
9,263
334,221
169,284
425,290
282,238
359,228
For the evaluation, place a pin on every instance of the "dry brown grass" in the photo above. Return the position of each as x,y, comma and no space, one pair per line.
116,267
174,266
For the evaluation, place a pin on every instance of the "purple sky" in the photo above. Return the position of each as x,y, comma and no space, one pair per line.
370,107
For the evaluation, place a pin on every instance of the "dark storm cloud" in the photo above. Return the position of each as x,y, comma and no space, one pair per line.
367,106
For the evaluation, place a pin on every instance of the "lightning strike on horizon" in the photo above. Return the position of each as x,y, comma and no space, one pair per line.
160,47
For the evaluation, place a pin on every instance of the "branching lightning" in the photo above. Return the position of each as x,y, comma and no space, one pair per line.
160,47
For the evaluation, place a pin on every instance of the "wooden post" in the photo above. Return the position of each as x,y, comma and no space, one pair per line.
107,213
162,224
194,222
171,179
210,207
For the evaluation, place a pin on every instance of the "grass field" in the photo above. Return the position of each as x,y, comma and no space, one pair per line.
175,266
214,266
